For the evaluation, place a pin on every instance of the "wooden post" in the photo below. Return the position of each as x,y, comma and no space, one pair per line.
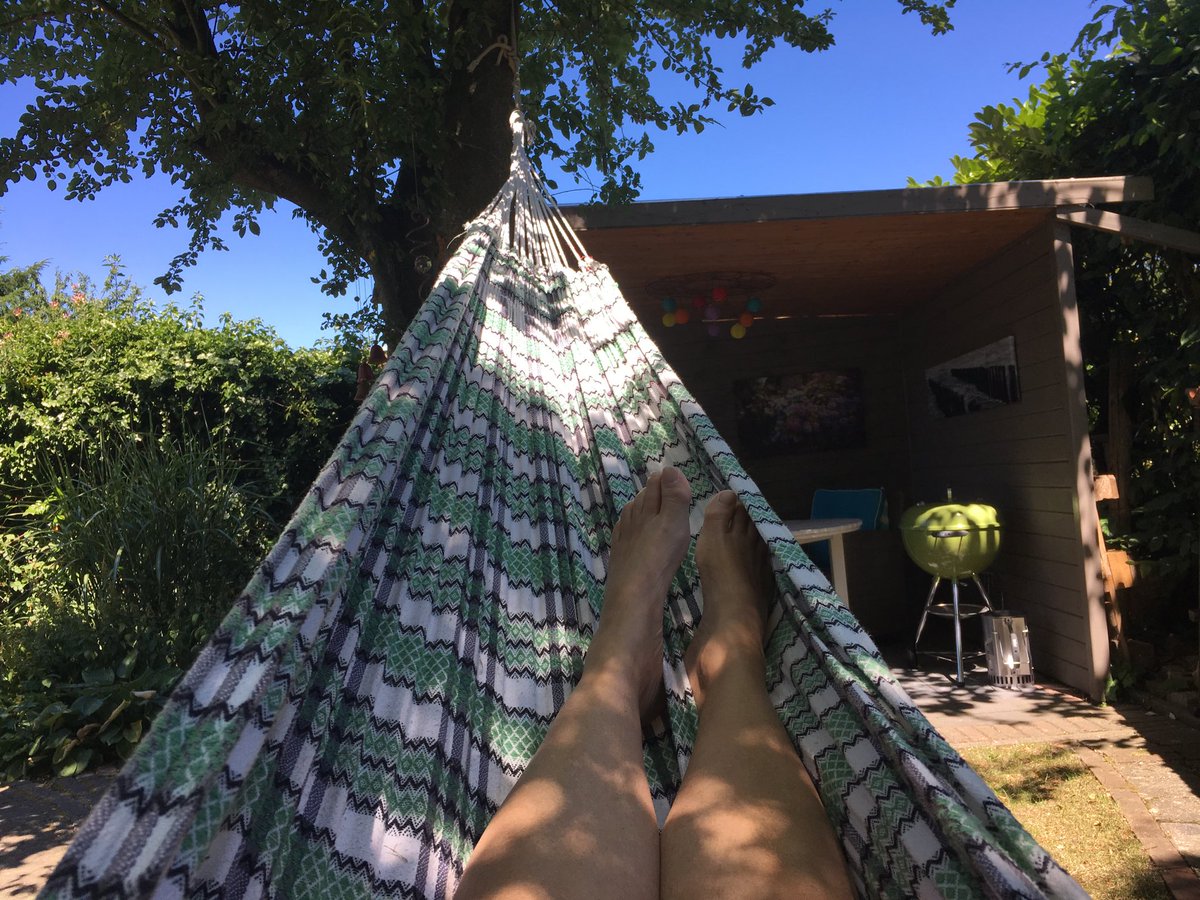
1094,632
1116,571
1120,428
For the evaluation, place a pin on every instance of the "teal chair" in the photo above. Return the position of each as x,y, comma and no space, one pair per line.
867,504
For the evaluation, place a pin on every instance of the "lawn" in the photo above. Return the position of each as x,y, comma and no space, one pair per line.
1058,799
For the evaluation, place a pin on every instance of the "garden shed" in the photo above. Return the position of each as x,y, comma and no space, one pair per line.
881,291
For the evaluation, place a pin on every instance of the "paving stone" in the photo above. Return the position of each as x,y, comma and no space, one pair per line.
1170,795
37,822
1185,836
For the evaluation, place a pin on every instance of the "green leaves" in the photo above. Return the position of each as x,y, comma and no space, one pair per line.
343,108
144,462
85,706
935,15
62,739
1167,55
98,677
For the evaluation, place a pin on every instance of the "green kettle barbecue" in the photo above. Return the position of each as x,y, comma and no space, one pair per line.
953,542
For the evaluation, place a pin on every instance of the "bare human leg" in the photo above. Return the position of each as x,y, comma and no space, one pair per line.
579,823
747,821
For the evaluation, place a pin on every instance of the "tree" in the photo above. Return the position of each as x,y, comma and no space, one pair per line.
385,124
1124,101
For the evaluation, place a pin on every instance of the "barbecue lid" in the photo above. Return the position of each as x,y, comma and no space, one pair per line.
950,517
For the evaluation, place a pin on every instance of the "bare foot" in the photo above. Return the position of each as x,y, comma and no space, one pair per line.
736,579
649,542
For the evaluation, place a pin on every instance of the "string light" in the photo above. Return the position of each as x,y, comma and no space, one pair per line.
709,312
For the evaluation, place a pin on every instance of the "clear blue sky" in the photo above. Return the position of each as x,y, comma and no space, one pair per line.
889,101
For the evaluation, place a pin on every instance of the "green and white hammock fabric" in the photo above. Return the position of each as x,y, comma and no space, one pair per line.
386,676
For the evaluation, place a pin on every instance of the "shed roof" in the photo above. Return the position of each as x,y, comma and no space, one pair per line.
846,253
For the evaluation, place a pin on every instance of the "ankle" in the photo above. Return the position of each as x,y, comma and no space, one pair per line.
610,678
735,656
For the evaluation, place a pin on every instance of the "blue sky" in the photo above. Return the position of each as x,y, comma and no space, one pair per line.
889,101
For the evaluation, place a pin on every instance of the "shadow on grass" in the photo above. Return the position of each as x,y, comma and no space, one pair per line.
1041,777
1069,812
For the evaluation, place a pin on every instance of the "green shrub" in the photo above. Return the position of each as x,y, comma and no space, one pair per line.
124,568
83,362
146,461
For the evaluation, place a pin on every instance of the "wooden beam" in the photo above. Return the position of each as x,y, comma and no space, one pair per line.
1093,622
947,198
1138,229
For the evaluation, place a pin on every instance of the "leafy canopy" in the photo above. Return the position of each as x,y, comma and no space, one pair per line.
353,111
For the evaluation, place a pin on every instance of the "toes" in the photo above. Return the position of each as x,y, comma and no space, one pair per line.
665,491
675,493
650,497
645,501
742,522
721,510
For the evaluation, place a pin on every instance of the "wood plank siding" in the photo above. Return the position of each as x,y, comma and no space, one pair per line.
709,367
1031,458
885,588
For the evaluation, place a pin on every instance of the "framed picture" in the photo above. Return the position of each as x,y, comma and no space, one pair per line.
982,379
800,413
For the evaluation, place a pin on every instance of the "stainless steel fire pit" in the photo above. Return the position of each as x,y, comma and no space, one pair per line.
953,542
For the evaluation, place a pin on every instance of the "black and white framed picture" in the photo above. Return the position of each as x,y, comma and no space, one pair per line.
982,379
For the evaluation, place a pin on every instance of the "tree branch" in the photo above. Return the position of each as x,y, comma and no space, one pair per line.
205,40
25,20
130,24
268,175
172,49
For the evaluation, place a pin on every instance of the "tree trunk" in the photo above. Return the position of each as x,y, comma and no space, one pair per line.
475,151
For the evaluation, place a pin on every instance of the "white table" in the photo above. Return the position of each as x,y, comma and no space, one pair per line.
809,531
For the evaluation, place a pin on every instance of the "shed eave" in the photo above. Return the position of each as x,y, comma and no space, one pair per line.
924,200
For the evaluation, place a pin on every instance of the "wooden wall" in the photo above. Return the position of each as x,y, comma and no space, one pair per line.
885,588
1024,458
709,367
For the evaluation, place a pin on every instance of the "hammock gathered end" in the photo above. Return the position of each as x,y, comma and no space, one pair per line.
391,668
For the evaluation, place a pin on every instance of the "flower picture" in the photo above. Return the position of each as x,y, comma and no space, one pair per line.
800,413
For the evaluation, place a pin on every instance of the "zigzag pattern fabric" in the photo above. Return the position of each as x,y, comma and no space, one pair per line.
382,682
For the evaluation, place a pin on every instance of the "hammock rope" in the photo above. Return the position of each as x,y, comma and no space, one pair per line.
391,668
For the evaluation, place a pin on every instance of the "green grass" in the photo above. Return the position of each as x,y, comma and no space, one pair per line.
1058,799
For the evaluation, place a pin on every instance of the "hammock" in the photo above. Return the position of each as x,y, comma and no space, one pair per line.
389,671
